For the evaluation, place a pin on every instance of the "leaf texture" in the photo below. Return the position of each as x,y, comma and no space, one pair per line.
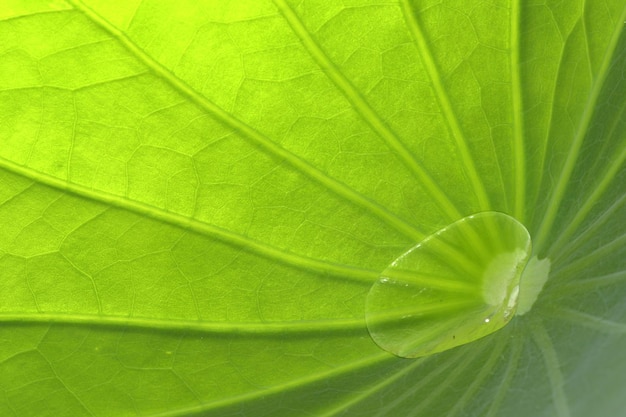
196,197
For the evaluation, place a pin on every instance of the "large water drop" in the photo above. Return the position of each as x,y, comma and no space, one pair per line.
456,286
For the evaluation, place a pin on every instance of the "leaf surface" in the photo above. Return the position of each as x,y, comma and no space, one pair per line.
197,196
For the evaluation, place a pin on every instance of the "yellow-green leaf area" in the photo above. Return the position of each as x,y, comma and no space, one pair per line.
197,196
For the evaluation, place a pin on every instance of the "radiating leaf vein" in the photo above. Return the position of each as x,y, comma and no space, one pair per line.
196,226
445,105
553,368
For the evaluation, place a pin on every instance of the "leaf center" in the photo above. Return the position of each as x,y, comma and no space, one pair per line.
456,286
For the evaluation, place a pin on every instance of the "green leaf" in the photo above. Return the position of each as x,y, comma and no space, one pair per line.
196,198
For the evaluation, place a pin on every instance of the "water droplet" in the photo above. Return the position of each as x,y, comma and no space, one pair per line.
456,286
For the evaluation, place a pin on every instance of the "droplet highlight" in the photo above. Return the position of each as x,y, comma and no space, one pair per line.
457,285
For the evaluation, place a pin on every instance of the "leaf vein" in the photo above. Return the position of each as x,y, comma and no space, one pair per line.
553,368
446,106
186,223
202,409
268,328
517,108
